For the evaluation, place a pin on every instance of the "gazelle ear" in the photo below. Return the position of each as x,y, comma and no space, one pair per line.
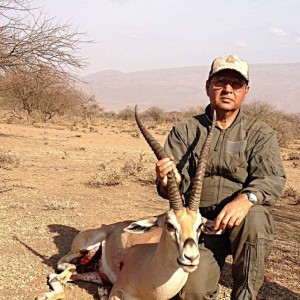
146,225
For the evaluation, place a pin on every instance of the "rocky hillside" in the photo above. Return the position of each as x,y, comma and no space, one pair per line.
177,88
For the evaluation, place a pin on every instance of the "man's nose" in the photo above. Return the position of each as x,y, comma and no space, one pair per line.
228,88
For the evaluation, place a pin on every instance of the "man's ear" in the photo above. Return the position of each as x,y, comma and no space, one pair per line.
146,225
207,87
246,92
247,89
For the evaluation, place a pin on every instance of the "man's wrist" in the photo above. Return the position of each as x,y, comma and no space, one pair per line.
251,196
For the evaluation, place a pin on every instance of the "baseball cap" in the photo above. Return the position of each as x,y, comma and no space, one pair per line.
231,62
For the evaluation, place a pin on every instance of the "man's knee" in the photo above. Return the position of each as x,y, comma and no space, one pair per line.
259,217
258,222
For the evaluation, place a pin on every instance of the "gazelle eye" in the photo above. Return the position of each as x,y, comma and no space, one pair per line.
170,227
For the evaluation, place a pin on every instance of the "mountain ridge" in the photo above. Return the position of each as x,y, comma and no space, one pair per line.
179,88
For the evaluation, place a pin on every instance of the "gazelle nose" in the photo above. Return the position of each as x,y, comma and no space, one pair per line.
191,258
191,250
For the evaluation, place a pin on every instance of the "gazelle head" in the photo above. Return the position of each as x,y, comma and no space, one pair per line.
181,225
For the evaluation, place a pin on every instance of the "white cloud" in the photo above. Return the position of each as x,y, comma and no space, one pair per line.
277,31
241,44
298,40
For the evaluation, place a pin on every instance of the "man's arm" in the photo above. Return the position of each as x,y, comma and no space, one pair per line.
266,173
266,180
176,147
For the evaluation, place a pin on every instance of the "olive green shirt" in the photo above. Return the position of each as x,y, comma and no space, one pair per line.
245,157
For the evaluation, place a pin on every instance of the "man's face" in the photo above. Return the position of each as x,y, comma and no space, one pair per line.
227,90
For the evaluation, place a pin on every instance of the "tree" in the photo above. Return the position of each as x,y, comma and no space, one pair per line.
29,40
42,95
259,109
284,124
89,107
37,59
156,113
126,113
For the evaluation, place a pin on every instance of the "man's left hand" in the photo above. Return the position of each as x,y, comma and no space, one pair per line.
233,213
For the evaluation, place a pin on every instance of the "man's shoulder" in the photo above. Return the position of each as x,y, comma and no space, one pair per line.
192,123
254,124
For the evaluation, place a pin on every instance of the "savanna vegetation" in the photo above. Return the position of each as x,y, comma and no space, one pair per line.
38,62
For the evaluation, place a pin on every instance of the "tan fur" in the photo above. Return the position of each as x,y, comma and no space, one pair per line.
151,270
141,266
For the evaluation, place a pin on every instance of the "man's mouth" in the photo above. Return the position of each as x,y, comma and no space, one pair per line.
225,99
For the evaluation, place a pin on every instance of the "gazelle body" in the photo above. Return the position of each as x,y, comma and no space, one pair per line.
144,260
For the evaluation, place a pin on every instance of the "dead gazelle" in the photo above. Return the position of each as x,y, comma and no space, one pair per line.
152,265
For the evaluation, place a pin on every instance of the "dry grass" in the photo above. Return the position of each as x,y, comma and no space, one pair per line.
60,204
293,156
8,160
105,178
291,192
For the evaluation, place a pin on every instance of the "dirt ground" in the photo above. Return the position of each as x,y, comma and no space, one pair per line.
54,181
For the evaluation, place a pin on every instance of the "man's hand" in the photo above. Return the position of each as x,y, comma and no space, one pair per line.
233,213
163,167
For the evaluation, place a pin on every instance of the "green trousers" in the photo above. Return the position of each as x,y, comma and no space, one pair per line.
250,245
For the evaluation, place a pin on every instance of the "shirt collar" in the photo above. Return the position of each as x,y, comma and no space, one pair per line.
209,118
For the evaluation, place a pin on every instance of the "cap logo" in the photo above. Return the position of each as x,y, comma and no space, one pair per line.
230,59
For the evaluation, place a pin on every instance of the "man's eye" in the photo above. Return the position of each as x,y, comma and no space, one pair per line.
236,84
220,82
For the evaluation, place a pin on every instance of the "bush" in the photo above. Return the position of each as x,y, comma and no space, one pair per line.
174,117
291,192
8,161
132,167
136,168
126,113
105,178
156,113
193,111
285,125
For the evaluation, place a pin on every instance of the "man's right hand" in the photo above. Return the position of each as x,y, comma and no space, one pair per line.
163,167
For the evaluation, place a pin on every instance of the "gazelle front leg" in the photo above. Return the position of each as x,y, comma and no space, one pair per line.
65,276
57,283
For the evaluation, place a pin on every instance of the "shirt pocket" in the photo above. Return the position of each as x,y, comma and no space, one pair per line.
235,163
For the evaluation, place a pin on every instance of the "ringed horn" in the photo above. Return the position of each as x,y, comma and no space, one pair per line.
173,189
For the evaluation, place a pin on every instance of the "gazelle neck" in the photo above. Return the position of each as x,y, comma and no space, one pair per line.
162,271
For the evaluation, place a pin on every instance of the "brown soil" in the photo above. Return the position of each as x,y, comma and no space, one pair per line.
55,181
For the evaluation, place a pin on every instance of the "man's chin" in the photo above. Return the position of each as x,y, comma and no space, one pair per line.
227,107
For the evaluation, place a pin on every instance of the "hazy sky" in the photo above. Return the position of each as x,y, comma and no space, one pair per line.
132,35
